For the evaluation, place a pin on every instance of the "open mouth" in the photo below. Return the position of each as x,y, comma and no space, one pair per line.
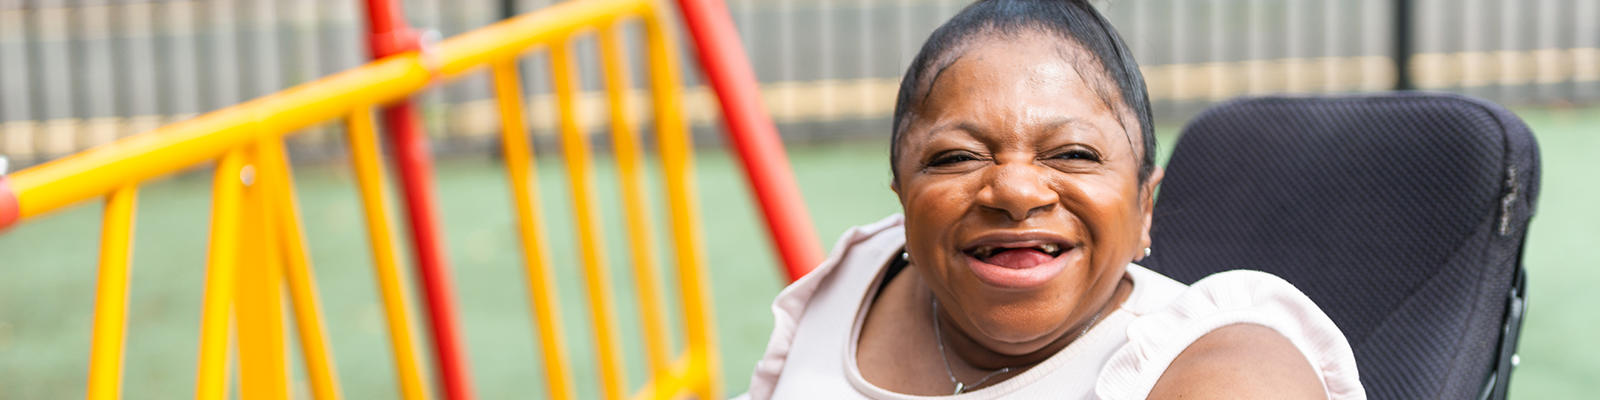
1019,261
1018,256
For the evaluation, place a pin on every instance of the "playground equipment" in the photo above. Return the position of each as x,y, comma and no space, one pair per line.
256,246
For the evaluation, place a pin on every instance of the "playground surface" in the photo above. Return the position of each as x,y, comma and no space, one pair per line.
47,272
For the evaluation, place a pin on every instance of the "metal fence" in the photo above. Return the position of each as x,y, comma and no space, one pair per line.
77,73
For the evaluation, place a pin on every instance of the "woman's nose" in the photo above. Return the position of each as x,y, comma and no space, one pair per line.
1018,191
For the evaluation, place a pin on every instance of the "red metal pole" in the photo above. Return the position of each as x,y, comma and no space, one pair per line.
390,35
753,134
9,209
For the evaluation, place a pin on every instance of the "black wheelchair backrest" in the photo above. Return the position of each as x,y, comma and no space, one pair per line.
1401,215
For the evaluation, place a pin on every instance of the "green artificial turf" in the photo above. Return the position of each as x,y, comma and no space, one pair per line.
47,272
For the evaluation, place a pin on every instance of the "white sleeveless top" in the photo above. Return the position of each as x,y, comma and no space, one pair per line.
811,354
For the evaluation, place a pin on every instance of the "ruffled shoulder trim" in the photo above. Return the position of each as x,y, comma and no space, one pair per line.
791,303
1157,337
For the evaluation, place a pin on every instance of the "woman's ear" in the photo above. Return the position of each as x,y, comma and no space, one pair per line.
1147,202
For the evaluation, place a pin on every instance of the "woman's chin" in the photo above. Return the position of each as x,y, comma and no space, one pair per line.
1018,334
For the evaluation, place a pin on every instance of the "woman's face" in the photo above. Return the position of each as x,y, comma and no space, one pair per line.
1021,194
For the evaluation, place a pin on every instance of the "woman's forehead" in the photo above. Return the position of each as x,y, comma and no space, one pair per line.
1017,80
995,51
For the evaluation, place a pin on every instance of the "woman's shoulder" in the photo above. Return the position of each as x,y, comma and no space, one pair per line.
859,253
860,249
1170,317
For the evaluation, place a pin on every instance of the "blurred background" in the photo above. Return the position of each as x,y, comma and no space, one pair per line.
80,73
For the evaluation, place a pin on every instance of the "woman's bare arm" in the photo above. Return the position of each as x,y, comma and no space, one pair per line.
1243,361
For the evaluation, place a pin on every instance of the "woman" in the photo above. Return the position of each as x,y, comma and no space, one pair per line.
1022,154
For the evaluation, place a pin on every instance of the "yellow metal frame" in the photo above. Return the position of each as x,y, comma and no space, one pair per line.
257,251
369,179
111,295
221,266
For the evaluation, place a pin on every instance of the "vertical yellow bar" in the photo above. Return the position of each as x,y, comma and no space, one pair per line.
277,183
641,246
369,176
677,162
521,171
111,295
211,380
575,149
258,307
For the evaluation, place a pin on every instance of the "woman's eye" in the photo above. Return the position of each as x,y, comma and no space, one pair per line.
1078,155
952,158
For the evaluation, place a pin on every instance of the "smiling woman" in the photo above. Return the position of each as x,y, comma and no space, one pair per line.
1022,155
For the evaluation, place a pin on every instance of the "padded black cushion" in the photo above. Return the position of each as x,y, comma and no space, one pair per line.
1401,215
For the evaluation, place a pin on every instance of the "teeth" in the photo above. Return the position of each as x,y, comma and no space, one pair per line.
984,251
988,251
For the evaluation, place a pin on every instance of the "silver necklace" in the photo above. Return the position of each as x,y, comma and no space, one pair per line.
962,387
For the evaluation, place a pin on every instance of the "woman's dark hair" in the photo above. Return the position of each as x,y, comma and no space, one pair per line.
1071,21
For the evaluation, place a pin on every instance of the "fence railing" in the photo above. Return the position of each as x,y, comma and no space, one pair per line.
257,248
